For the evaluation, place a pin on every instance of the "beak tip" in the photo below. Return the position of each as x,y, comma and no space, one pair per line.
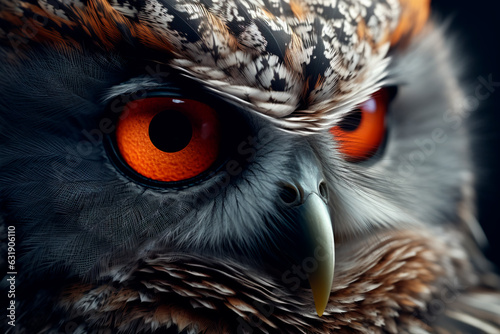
321,293
320,311
320,302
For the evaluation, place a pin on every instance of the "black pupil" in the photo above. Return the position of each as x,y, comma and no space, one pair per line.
351,121
170,131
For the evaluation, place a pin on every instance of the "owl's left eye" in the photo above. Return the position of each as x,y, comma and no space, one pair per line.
168,139
361,132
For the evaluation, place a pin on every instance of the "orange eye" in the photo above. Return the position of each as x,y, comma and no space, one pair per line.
168,139
361,132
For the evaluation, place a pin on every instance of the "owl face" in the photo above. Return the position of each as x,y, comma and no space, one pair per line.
225,139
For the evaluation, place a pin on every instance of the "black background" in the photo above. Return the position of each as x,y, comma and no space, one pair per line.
477,26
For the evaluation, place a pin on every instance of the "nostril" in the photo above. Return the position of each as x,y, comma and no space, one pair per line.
289,194
323,190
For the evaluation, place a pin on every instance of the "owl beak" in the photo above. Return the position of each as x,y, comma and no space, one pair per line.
319,251
304,196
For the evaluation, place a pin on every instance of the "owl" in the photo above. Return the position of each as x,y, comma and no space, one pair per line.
238,166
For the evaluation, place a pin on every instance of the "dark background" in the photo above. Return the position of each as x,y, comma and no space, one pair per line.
477,26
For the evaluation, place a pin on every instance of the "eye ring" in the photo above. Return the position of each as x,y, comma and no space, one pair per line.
167,139
234,128
362,132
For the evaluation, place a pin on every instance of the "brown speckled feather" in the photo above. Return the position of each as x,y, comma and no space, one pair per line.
384,284
259,55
